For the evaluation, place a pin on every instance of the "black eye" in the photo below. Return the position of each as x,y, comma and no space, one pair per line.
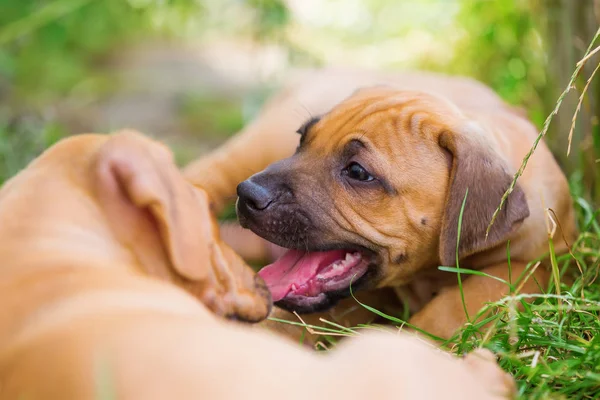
355,171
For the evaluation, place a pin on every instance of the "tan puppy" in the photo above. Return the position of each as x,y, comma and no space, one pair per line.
95,237
373,191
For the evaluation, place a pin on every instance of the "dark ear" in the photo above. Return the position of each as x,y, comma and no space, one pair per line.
478,168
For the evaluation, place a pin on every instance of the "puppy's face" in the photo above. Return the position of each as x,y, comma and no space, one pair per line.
363,201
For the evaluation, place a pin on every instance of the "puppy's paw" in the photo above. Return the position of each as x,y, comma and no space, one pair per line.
482,363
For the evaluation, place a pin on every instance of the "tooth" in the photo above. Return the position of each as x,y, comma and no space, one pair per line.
294,287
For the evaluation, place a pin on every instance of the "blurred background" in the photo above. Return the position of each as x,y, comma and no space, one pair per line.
193,72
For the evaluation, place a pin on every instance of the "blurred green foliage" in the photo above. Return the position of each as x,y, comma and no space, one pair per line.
502,46
21,140
52,50
56,50
49,48
214,115
270,17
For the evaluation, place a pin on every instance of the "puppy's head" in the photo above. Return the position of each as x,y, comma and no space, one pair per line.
166,224
373,195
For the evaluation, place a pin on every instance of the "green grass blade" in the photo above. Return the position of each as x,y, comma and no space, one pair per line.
460,287
475,272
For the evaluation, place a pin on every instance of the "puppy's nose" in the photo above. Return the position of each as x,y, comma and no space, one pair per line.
254,196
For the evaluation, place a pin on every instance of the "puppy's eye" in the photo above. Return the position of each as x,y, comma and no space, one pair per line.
355,171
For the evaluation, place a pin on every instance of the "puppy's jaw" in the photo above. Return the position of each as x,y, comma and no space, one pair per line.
285,225
326,300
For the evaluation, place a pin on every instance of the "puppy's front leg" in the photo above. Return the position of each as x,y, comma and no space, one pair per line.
443,315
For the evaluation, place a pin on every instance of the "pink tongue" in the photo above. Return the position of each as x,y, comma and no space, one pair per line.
296,268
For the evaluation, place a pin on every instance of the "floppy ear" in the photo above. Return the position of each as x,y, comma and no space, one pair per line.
153,211
478,168
137,175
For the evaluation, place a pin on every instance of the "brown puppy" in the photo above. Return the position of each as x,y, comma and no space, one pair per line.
95,237
374,190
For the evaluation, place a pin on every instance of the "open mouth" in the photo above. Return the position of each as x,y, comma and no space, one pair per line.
303,279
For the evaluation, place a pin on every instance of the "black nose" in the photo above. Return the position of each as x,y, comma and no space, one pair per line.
254,196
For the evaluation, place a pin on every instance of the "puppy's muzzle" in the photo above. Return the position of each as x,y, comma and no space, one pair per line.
267,206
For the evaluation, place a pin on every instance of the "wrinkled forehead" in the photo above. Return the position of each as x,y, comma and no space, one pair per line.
379,115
